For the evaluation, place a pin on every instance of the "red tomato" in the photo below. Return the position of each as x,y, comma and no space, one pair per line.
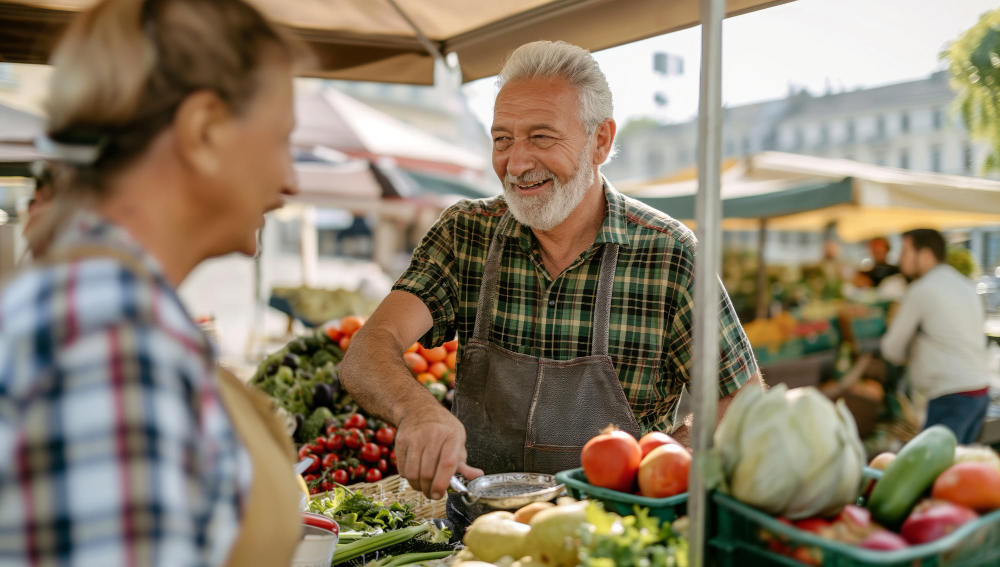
316,449
384,452
664,472
386,436
334,333
370,452
383,466
309,478
451,346
305,450
350,324
359,472
437,354
354,439
369,435
326,486
345,342
611,460
653,440
341,477
320,442
330,460
374,475
415,362
356,421
335,442
392,457
314,466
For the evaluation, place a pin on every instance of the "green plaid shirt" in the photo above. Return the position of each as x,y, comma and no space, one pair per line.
651,309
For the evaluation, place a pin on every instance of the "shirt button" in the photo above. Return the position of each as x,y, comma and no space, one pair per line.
552,303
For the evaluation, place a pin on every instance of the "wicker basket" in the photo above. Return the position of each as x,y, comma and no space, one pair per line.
395,489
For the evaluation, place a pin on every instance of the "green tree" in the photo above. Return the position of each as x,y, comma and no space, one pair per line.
974,61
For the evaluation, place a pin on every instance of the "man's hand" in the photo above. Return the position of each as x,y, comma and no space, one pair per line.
683,433
430,448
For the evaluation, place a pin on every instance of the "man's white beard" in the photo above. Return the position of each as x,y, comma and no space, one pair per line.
549,209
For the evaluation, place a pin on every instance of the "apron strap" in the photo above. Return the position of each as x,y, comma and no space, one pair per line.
602,310
491,277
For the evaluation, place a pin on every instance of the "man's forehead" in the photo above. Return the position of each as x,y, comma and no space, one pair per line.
536,102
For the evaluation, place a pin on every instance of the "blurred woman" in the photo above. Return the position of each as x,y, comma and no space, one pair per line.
119,442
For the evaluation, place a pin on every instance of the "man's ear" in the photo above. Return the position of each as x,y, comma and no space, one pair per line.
605,140
199,129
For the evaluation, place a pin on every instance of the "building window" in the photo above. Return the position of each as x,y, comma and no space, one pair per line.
904,159
968,159
654,162
936,159
824,134
880,126
904,122
938,118
880,159
746,145
850,131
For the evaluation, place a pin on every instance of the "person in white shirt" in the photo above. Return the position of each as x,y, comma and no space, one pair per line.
938,334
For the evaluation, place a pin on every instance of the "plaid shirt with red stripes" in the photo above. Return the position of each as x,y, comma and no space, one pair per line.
114,445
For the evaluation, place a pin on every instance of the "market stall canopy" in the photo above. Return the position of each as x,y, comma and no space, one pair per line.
330,118
806,193
376,40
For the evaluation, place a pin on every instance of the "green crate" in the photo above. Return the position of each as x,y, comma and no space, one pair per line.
790,350
821,342
743,536
870,328
663,509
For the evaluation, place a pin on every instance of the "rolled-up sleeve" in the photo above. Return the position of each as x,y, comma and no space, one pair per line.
432,278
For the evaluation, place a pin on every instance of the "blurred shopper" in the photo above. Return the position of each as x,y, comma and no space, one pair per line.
938,333
41,173
882,269
120,444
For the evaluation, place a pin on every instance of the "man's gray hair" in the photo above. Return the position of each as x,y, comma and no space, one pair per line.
545,59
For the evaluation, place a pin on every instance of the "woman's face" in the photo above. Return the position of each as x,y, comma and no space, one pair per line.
255,171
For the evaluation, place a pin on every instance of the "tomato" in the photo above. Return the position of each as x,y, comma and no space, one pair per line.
452,361
970,484
350,324
881,462
415,362
438,370
370,452
374,475
359,472
392,457
310,478
384,451
344,343
316,449
305,450
386,436
333,428
382,465
335,442
451,346
426,378
356,421
314,466
611,460
326,486
369,435
334,333
354,439
341,477
653,440
437,354
330,460
414,347
664,472
320,442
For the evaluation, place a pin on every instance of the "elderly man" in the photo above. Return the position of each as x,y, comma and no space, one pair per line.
573,304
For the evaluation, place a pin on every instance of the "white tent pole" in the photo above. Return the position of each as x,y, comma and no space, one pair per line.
708,206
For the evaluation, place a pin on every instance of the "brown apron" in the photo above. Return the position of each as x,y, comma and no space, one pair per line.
527,414
271,524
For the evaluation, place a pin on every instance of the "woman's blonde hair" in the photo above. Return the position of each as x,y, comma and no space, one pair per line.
125,66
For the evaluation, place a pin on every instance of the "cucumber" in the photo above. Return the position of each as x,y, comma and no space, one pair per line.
909,476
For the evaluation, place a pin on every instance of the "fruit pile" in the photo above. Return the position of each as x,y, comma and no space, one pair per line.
358,450
657,464
928,491
435,369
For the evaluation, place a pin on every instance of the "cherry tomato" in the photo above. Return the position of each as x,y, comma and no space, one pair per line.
383,465
326,486
335,442
316,449
333,428
386,436
314,491
305,450
344,343
310,478
320,442
360,471
330,460
384,452
374,475
392,457
370,452
356,421
341,477
314,466
354,439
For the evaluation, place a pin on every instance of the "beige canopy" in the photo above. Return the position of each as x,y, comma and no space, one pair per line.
376,40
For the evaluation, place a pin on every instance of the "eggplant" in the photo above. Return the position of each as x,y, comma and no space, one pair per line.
323,396
291,360
449,399
299,420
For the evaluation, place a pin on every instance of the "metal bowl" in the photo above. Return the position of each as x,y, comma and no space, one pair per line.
510,491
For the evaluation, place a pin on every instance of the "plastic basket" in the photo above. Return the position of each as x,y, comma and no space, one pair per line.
868,328
820,342
663,509
746,537
790,350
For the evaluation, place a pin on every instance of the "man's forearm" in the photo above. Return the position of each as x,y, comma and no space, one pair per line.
374,373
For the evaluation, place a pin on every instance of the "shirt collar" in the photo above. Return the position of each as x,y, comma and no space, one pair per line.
613,231
88,228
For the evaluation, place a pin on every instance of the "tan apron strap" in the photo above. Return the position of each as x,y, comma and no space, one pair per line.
491,277
602,310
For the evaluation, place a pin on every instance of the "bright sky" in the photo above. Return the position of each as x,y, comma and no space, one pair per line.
811,43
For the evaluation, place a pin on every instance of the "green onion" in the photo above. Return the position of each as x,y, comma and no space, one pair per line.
411,558
375,543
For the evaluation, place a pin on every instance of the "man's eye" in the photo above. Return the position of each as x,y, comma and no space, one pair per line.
502,142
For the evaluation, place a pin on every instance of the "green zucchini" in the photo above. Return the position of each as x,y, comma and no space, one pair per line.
909,476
